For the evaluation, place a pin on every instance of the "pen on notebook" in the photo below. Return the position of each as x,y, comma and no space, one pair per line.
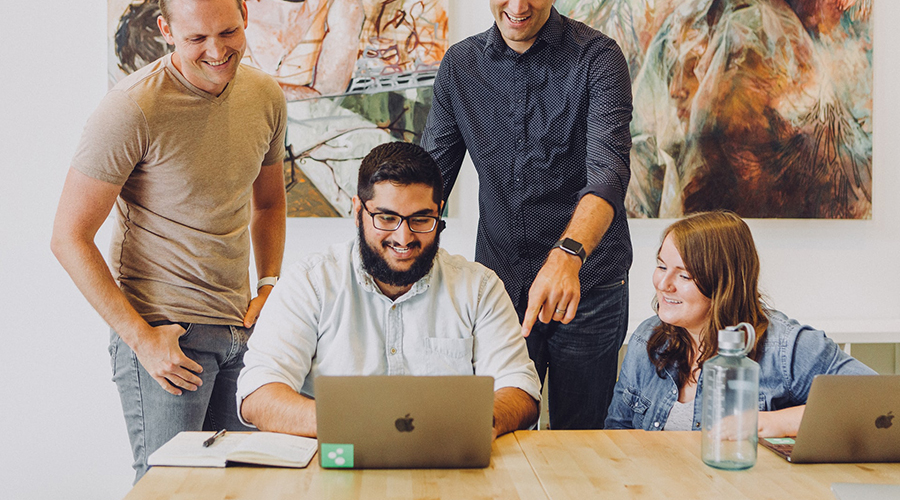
213,438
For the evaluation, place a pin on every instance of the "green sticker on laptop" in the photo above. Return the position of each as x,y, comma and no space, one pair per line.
780,440
336,456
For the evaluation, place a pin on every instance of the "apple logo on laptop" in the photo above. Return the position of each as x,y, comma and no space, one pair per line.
884,421
405,424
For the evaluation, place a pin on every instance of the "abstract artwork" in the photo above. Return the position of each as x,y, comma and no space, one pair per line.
763,107
355,73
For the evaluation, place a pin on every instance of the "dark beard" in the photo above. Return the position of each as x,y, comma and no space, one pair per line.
375,264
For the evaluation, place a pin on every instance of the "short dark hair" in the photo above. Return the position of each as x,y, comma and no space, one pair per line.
166,13
400,163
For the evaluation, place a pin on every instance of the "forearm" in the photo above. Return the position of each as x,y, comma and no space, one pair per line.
267,230
556,290
590,220
276,407
514,410
780,423
267,219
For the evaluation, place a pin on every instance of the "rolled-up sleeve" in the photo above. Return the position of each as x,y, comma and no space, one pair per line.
499,348
283,343
608,127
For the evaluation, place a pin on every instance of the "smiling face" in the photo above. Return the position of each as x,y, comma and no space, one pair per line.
397,259
680,301
520,20
209,41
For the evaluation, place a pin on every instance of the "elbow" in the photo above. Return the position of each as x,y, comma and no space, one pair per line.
246,409
533,415
59,244
530,413
67,246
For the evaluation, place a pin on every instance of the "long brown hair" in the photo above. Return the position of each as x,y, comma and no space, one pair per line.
718,251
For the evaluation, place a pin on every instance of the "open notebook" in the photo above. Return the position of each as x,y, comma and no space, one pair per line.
260,448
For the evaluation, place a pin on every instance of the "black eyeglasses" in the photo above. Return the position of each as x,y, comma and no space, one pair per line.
391,222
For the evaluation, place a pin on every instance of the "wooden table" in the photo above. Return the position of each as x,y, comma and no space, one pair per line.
638,464
508,477
577,465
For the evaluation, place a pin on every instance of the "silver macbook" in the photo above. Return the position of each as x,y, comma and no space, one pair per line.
848,418
404,421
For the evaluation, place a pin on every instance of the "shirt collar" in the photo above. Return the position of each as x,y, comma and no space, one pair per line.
367,282
551,33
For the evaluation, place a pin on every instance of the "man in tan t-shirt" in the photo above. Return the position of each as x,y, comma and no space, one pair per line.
189,151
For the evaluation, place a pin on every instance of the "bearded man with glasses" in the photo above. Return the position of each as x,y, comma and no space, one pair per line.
388,302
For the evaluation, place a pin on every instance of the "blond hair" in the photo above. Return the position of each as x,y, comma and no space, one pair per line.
166,12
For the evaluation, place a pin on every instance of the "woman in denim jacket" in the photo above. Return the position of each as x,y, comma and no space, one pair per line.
706,279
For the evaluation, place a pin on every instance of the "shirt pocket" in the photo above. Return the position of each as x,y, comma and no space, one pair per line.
448,356
638,405
559,135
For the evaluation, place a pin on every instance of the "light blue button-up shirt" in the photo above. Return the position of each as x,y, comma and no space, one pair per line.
327,316
792,355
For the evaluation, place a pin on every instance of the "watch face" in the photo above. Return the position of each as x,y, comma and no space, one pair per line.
570,245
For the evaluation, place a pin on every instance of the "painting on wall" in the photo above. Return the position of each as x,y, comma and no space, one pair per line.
355,73
763,107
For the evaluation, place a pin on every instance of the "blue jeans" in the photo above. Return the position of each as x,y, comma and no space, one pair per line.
583,357
153,416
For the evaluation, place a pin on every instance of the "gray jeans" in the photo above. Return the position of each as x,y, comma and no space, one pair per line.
153,416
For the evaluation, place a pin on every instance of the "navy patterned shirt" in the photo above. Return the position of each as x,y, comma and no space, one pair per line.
543,129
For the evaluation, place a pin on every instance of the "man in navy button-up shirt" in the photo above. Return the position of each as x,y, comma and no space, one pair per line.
542,103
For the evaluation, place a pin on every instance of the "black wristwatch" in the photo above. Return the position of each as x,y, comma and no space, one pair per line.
571,246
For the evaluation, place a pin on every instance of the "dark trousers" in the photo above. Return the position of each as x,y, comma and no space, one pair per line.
582,357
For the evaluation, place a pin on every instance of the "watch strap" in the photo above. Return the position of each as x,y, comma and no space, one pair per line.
268,280
573,247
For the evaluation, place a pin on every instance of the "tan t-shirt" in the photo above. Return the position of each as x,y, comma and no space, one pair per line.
186,161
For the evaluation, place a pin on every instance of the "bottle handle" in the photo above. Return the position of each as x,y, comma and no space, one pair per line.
751,336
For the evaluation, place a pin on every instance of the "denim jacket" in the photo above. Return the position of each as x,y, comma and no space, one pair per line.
792,355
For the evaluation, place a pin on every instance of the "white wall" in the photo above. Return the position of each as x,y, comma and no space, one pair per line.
61,430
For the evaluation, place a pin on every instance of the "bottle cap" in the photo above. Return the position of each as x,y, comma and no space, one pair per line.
731,339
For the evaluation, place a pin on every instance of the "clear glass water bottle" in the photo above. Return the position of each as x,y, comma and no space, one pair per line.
730,405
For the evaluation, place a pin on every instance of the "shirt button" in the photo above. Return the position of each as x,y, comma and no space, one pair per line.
697,424
655,424
674,391
393,350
